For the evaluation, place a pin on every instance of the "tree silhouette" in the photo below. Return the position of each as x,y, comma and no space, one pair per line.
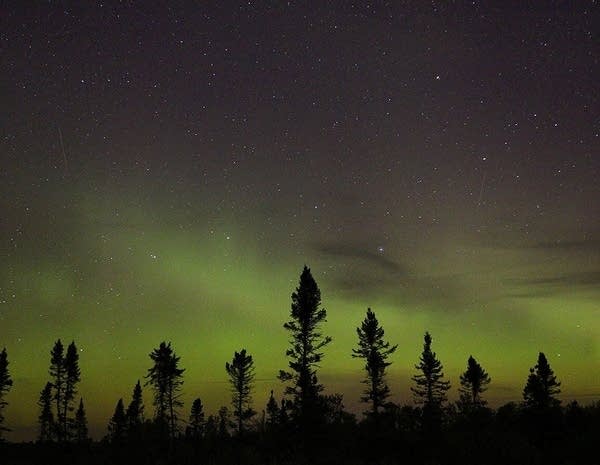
272,412
305,351
542,386
58,376
5,385
375,351
135,409
196,427
72,377
241,378
473,382
80,425
46,418
65,374
165,378
117,426
430,389
223,419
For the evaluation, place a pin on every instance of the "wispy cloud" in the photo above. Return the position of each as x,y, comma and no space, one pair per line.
565,280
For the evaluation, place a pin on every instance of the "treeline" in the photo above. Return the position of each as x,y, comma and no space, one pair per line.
306,425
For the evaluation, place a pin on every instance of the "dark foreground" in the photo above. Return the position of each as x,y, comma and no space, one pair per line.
566,436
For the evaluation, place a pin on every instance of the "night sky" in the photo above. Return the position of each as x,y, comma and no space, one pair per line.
169,168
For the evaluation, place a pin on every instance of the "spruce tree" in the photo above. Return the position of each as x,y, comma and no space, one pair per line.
374,351
117,426
72,377
5,385
473,382
166,378
59,380
305,352
272,412
430,390
241,378
135,410
223,425
80,424
196,422
542,386
46,418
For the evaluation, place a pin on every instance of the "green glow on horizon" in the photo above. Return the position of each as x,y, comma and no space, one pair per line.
120,288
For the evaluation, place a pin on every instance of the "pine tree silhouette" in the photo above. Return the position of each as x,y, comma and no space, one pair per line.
5,385
81,425
223,422
473,382
272,413
305,351
430,390
542,386
241,378
46,418
117,426
375,351
72,377
59,380
166,378
135,411
196,422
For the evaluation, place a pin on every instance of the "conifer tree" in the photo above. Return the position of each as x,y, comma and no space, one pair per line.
59,380
72,377
241,378
375,351
305,352
135,409
46,418
117,426
210,427
430,389
272,412
166,378
196,423
473,382
80,424
5,385
542,386
223,425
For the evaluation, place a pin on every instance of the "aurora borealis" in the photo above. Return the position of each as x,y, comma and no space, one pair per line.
168,170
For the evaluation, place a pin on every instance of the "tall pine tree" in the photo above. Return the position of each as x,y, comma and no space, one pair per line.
473,382
117,426
58,377
241,378
135,410
542,386
72,377
196,423
5,385
374,351
430,389
80,424
46,417
272,412
305,353
166,378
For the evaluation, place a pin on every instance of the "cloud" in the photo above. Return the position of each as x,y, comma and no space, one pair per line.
585,244
566,280
354,252
360,273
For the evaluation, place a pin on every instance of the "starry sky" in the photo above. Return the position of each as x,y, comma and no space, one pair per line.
169,167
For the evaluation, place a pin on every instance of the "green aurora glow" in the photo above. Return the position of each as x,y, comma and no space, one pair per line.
119,276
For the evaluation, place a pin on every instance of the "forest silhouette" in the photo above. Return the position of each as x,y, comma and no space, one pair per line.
307,426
